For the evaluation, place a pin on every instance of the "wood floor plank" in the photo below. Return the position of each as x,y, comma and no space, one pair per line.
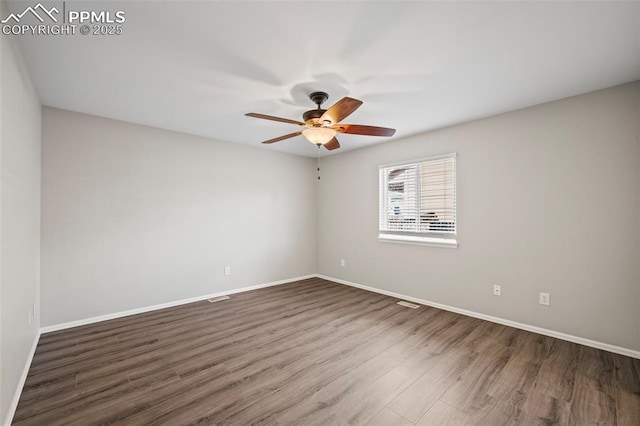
627,373
594,390
484,334
390,385
418,398
441,414
58,408
470,393
627,407
320,353
121,354
557,374
331,362
165,404
262,378
515,382
627,381
541,409
387,417
421,334
343,396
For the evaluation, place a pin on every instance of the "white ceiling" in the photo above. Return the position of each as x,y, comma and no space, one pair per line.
197,67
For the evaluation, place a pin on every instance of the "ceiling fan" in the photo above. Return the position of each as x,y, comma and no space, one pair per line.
323,125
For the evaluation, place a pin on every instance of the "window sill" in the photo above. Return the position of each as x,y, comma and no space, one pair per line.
422,241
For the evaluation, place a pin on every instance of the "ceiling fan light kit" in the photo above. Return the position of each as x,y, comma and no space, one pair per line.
319,135
322,125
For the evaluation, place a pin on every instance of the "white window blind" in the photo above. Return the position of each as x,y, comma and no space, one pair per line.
419,198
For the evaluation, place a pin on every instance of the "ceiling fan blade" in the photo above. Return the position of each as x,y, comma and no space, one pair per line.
271,117
359,129
280,138
340,110
332,144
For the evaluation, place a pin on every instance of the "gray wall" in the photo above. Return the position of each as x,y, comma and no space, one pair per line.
548,200
19,217
135,216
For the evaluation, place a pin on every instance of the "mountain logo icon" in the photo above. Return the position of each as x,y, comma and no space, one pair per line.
38,11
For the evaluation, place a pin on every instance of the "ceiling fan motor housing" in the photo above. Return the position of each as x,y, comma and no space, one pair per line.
317,98
313,113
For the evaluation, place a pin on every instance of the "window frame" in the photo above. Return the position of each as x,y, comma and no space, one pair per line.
429,238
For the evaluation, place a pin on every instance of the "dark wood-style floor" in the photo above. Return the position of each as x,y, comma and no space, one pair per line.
316,352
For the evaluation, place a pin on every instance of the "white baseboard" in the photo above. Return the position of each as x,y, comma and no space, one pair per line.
551,333
23,379
93,320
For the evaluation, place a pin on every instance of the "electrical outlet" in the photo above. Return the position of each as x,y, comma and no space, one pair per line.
227,270
497,290
545,299
342,262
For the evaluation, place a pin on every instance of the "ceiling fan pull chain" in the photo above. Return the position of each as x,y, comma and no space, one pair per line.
318,161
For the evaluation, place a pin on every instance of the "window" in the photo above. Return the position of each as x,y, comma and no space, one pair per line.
418,202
